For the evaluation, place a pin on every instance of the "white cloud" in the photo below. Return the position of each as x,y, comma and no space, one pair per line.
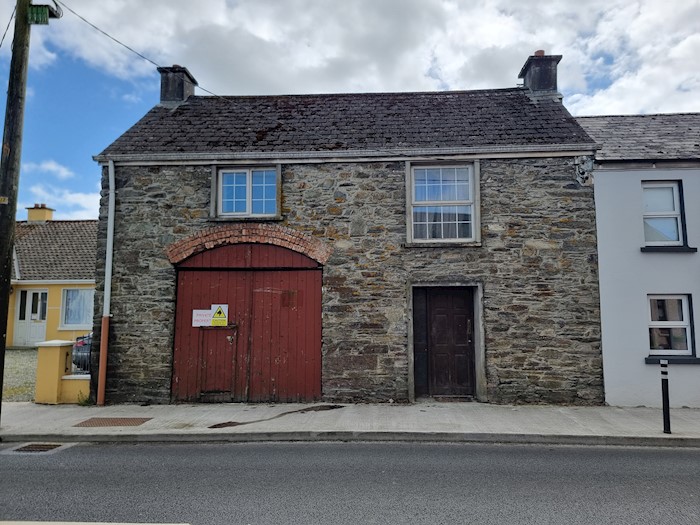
69,205
619,55
49,166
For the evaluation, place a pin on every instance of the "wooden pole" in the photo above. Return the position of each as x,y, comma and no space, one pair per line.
10,163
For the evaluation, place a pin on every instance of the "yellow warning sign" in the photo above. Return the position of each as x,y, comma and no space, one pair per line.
219,316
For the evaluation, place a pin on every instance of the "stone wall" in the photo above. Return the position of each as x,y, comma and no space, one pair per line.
537,267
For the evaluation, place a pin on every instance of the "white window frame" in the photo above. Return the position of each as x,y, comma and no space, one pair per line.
685,324
474,175
675,214
248,170
85,326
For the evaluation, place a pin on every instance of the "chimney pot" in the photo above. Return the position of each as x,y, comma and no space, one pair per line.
539,53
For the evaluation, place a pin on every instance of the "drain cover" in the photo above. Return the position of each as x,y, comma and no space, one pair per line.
113,422
37,447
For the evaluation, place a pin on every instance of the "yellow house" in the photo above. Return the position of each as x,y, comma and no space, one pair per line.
53,279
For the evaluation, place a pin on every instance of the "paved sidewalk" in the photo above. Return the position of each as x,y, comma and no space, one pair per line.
424,421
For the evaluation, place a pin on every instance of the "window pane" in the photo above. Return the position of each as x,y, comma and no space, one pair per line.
420,231
420,176
449,192
465,230
23,305
44,305
77,309
666,310
264,192
234,192
449,231
668,339
661,229
448,175
435,231
432,176
658,199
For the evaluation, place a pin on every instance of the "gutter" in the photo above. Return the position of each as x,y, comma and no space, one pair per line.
483,151
107,299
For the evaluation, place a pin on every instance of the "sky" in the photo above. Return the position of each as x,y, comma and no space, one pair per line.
84,89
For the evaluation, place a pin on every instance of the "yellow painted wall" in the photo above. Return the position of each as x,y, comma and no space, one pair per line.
53,312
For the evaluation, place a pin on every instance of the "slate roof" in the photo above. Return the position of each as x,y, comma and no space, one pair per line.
55,250
645,137
493,119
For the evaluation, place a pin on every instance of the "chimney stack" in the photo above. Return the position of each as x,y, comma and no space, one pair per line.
176,85
39,213
540,73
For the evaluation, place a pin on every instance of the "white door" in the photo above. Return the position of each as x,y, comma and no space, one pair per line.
30,327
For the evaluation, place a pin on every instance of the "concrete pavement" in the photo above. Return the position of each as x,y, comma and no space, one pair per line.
423,421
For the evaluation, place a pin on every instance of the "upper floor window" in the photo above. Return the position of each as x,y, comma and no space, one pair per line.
663,219
669,325
443,204
248,192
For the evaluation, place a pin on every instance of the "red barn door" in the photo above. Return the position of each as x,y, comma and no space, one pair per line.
270,346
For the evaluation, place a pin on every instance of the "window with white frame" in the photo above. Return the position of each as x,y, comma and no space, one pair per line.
663,221
669,325
248,192
77,307
442,204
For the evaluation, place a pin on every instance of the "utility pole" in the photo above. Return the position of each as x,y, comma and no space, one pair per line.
12,152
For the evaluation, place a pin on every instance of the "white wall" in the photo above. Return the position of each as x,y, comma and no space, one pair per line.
627,276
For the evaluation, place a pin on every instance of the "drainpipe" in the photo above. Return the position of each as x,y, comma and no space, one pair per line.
104,333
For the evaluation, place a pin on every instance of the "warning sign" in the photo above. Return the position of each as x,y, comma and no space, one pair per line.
217,315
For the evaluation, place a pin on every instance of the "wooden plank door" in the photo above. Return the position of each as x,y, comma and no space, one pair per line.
444,341
271,350
208,361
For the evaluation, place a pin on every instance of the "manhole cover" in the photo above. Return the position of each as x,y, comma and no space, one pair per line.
37,447
113,422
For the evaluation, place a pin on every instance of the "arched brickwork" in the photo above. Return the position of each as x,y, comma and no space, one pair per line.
249,233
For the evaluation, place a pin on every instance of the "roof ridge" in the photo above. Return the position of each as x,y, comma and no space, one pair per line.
676,114
363,93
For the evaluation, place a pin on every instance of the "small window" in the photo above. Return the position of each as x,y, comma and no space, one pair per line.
248,192
77,308
663,221
669,325
442,204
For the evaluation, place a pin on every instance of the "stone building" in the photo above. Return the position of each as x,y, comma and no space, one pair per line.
368,247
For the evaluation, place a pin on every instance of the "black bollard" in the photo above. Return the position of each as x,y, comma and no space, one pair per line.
664,395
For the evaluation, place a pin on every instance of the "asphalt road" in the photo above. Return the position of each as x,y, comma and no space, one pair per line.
329,483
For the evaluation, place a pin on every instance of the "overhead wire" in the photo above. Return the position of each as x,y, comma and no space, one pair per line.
377,150
130,48
12,16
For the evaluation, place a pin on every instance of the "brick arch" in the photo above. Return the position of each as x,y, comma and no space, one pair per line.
249,233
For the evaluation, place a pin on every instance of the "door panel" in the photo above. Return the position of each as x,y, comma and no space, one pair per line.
443,339
30,323
271,350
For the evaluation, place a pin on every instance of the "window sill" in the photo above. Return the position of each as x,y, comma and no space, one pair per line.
246,219
668,249
672,360
450,244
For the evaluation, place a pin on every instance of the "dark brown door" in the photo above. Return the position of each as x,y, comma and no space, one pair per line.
444,341
270,349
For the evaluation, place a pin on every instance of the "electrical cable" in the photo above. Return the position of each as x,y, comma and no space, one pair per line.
129,48
377,150
8,26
